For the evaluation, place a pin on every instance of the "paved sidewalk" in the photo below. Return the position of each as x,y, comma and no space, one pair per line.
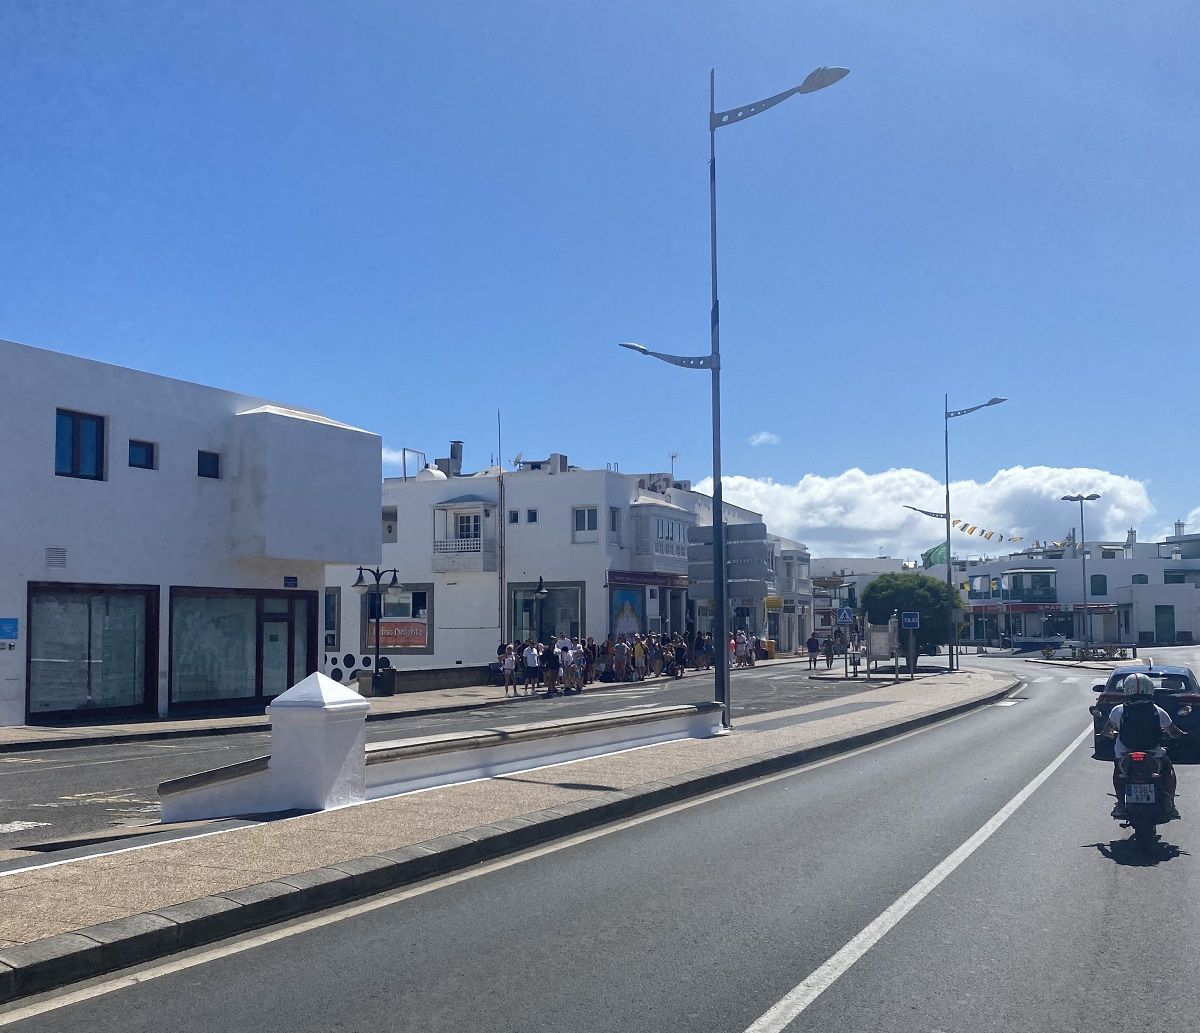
78,918
405,704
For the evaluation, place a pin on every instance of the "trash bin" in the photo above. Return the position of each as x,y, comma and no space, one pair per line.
387,681
770,644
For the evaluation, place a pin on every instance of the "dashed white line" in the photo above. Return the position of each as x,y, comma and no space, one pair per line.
1070,681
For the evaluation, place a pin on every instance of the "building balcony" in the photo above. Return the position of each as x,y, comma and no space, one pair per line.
452,555
1019,595
661,564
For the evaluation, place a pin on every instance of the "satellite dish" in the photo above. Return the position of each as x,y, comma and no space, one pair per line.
517,458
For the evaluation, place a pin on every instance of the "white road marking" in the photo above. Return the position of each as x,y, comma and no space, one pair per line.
340,914
1044,677
1007,703
785,1011
22,826
1070,681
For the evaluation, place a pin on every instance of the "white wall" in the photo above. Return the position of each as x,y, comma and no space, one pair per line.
165,526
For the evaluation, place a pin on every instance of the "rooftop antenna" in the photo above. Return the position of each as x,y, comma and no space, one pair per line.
674,456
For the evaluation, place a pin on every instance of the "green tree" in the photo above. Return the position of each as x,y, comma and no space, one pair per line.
910,592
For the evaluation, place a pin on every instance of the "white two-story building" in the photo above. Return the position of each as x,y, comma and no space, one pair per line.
503,556
164,543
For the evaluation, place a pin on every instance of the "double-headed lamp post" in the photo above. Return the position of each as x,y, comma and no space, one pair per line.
1087,610
951,635
375,588
818,79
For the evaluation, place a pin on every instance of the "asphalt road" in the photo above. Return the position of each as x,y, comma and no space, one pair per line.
704,917
56,794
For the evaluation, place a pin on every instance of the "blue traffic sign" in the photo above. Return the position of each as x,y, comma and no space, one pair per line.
910,620
845,615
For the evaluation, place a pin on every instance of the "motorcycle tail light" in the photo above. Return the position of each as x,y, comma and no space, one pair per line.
1137,757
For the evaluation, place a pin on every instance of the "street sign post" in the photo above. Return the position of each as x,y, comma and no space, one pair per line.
910,620
845,616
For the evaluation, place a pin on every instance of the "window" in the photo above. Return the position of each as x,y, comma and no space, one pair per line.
398,605
141,454
79,445
1039,581
1108,554
614,520
1099,584
208,464
468,525
531,516
1141,579
333,602
585,524
514,516
1174,577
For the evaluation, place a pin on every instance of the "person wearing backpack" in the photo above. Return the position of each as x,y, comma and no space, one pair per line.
1139,725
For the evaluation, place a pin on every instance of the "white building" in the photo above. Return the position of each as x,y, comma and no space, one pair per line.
839,581
165,543
609,550
1135,593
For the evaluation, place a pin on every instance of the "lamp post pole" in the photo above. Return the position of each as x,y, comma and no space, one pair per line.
951,628
818,79
376,592
540,595
1087,610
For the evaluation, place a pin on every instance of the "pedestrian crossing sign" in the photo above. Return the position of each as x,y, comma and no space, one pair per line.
845,615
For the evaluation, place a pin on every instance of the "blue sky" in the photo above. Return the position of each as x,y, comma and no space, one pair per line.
410,214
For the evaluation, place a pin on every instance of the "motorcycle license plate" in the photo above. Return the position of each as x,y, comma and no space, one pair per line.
1139,794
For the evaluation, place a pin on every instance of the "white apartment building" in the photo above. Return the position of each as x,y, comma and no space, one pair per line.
839,581
1135,593
165,543
608,549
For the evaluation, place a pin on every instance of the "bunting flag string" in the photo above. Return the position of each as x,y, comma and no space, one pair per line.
968,528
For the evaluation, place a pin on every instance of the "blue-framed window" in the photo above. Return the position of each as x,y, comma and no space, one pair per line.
79,445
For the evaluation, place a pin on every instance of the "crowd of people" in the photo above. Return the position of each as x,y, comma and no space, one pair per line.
565,665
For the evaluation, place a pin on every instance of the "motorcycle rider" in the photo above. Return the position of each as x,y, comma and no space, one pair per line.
1139,724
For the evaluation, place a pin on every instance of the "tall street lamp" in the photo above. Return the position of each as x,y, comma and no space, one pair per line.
817,79
375,591
1087,610
951,631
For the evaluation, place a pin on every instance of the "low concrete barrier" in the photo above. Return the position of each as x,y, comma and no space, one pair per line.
319,759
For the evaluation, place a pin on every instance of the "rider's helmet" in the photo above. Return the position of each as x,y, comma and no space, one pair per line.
1138,685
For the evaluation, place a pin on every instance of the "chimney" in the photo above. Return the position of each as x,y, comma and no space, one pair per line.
1179,528
455,458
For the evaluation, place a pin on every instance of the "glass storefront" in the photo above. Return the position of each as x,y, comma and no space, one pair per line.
90,648
247,647
559,613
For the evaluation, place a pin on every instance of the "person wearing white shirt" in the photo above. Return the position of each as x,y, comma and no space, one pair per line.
532,664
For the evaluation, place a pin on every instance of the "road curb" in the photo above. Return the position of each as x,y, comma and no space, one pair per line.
58,961
152,735
1078,665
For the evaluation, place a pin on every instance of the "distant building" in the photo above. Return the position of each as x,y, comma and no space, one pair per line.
165,543
839,581
1136,593
610,551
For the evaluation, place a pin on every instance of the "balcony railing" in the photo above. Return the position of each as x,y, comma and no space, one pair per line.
461,545
1019,595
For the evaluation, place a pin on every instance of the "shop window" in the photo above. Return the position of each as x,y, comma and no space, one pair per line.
1099,584
333,607
79,445
213,647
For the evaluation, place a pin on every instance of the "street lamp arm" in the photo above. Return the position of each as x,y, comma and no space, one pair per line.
687,361
818,79
951,413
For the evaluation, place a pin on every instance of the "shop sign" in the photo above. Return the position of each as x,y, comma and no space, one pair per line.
774,602
394,634
651,578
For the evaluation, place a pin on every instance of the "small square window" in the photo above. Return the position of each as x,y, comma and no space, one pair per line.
141,454
208,464
531,516
514,516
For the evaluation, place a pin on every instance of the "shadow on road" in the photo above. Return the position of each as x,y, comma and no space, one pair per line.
1127,852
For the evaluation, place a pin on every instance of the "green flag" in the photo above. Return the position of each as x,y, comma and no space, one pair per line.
935,555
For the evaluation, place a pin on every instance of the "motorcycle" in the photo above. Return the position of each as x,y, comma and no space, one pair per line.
1146,805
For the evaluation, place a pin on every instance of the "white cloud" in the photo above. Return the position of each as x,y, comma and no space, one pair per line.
393,456
763,437
861,514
